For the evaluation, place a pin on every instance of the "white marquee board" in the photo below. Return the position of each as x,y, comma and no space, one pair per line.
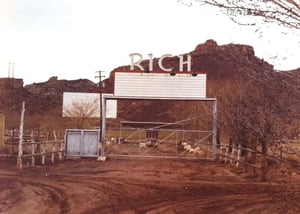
162,84
69,98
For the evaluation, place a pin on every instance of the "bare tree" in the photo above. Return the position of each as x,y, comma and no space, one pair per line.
261,112
82,110
282,12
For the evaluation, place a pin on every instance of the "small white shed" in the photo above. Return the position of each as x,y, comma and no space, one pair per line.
82,142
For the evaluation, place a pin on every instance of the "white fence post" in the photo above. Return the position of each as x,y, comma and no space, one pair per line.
20,152
238,156
226,152
53,152
220,152
44,153
32,150
60,147
232,153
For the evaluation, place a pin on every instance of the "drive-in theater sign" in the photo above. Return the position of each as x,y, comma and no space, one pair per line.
143,83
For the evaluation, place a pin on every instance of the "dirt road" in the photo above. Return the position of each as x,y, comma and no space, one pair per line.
121,185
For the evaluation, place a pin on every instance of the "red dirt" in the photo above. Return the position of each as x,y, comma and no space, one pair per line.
124,185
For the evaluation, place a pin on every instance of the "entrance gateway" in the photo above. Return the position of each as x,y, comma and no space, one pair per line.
157,86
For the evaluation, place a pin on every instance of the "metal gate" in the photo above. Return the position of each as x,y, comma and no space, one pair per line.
165,143
82,142
171,143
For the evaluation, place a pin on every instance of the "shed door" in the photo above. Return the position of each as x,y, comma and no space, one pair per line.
73,142
90,144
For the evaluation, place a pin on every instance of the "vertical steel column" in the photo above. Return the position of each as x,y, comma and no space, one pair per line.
214,131
103,127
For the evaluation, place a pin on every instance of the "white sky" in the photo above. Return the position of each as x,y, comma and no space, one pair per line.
72,39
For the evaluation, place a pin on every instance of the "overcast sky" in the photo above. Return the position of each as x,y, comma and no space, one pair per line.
72,39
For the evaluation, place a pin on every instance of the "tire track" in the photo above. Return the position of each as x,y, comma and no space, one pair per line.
140,186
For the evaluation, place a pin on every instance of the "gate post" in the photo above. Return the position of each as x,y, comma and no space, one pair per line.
103,119
214,131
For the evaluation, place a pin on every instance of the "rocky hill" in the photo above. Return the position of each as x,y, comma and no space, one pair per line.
229,68
41,99
46,94
233,73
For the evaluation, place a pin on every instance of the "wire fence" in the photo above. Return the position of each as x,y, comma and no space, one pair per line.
164,143
256,162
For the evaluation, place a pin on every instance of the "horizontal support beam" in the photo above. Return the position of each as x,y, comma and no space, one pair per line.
109,97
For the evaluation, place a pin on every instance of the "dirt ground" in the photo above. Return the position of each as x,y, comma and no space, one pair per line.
142,185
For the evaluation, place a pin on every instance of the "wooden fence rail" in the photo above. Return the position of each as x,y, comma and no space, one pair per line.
36,144
42,150
34,147
232,154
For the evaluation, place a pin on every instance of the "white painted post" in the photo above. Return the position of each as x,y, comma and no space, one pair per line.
54,134
214,130
60,150
63,149
43,153
226,152
238,156
20,152
220,152
32,153
232,153
32,150
53,152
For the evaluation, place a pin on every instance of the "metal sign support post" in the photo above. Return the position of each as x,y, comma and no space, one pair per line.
214,131
103,128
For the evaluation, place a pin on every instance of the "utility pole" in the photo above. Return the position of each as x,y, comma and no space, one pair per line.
11,71
101,87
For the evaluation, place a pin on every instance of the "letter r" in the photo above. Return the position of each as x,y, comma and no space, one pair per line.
137,63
